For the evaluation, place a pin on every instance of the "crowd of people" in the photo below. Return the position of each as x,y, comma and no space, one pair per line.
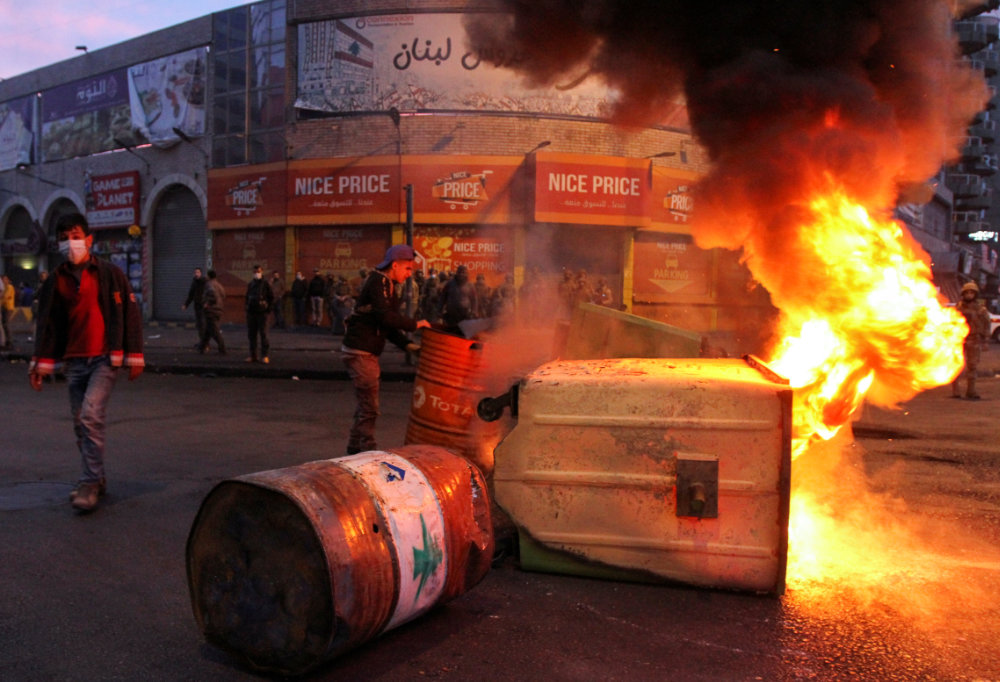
443,297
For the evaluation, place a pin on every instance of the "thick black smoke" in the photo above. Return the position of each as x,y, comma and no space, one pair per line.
789,97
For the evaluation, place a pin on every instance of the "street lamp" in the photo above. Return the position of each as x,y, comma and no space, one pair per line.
23,168
128,148
540,145
187,138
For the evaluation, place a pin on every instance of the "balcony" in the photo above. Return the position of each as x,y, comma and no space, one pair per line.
991,61
977,203
984,165
976,7
972,36
973,149
985,131
968,222
965,186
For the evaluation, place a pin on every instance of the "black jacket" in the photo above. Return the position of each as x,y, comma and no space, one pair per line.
195,292
376,318
260,298
122,318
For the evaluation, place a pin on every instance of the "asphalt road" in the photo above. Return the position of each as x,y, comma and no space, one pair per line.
910,593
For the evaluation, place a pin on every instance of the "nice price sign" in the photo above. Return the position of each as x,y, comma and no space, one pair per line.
594,190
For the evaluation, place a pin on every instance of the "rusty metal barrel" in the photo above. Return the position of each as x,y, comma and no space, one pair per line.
290,568
448,385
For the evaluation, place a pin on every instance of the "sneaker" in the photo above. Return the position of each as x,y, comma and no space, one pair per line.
102,487
86,496
251,359
974,396
266,360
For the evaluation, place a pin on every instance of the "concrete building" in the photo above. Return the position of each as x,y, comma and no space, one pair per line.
312,135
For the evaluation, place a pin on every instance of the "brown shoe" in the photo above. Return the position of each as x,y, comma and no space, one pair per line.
86,496
102,487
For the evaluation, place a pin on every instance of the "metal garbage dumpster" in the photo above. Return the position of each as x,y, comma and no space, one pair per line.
669,469
292,567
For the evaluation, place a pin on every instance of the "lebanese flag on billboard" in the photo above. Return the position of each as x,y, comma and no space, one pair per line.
351,46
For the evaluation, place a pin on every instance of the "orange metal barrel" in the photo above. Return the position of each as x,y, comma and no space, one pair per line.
446,390
292,567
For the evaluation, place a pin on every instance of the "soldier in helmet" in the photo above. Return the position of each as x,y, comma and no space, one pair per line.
979,329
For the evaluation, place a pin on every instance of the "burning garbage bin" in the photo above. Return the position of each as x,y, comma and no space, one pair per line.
448,385
668,469
292,567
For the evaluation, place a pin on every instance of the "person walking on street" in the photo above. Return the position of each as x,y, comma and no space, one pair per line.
214,300
195,293
278,289
459,301
317,291
7,304
259,300
300,292
375,320
978,320
88,318
343,305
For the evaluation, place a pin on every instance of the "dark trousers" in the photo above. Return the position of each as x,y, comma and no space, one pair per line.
199,319
300,311
257,327
364,370
211,330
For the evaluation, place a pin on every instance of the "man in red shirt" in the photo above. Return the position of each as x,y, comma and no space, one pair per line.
88,318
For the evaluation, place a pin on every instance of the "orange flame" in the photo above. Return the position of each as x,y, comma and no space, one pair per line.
875,330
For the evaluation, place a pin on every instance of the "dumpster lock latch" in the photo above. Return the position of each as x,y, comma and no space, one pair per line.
491,409
697,485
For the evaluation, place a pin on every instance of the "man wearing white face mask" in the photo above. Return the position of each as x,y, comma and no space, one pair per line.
88,318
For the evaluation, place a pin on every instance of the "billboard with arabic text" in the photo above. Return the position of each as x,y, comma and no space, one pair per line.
421,62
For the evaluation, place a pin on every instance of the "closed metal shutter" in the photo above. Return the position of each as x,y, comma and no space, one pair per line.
178,247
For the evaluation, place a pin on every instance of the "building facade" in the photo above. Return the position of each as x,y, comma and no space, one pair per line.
312,135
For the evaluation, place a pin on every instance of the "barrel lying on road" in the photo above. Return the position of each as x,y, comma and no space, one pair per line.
292,567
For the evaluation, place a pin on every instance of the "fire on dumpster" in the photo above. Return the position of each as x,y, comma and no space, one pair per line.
818,119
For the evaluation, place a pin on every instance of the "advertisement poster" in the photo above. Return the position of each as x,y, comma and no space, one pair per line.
16,131
84,117
484,251
591,190
235,252
462,189
667,266
671,202
421,62
169,93
340,250
112,200
338,191
247,196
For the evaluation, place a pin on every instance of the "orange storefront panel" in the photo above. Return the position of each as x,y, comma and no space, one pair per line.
670,266
345,191
591,190
462,189
340,250
234,254
247,197
671,202
483,250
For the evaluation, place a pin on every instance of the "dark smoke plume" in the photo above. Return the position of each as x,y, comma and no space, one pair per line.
789,97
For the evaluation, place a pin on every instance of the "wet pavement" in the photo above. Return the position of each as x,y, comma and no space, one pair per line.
911,593
305,352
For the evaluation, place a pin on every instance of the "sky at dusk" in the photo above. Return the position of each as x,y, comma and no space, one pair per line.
36,33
